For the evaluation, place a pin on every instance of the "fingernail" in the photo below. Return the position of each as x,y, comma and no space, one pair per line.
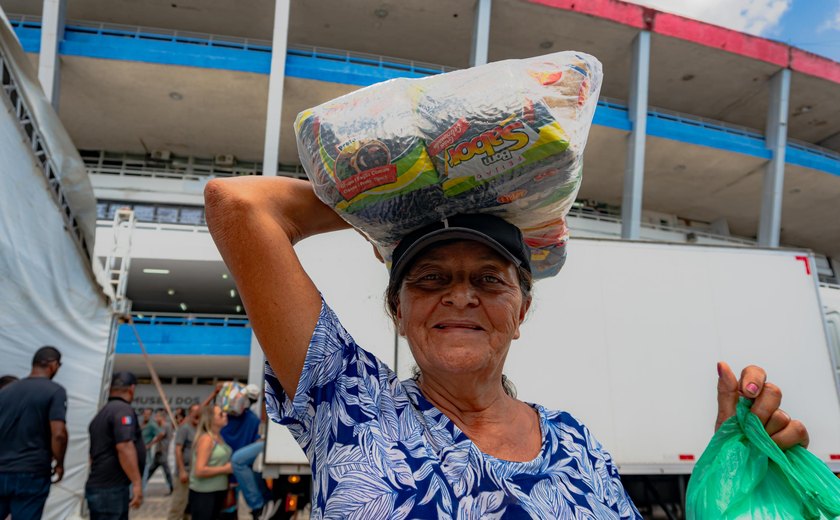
720,371
752,388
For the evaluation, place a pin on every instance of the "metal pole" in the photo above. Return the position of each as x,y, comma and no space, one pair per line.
274,111
481,33
634,171
770,223
49,65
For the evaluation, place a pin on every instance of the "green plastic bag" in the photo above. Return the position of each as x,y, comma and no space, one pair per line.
744,475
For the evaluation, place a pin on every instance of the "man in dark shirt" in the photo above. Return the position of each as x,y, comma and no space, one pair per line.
117,454
32,435
183,459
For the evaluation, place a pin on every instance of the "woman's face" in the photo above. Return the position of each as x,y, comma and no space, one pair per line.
460,306
220,418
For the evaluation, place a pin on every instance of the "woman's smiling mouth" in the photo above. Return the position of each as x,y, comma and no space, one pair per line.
457,325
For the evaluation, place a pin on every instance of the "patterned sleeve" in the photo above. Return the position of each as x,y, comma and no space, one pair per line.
616,496
335,387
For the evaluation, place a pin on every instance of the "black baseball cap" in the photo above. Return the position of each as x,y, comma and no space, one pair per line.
123,379
490,230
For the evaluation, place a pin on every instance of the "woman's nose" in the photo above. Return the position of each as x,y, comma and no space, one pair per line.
461,293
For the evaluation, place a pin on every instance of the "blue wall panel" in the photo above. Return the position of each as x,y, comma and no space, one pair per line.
29,36
706,134
165,52
611,115
185,340
348,71
800,156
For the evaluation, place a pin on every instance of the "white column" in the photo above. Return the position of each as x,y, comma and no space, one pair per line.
256,363
481,34
770,223
271,153
634,170
52,32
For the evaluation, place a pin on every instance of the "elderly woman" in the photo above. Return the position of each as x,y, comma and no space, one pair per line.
453,442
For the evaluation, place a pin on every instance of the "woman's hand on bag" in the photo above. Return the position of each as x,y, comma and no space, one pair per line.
766,397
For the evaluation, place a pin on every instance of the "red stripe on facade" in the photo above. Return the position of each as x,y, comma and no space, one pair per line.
728,40
621,12
705,34
813,65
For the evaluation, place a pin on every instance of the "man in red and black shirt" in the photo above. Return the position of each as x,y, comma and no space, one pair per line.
117,454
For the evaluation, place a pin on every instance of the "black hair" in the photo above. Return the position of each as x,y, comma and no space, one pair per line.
45,355
7,380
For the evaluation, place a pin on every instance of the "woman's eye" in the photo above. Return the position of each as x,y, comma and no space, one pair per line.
430,276
489,278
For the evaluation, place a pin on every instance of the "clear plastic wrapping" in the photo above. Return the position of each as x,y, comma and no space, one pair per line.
505,138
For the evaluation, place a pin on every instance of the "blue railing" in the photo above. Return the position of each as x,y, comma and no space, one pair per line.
190,321
143,44
145,33
186,336
704,132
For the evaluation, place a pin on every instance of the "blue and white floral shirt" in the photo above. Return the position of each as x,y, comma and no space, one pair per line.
379,449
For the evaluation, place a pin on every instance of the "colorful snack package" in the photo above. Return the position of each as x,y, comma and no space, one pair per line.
232,398
505,138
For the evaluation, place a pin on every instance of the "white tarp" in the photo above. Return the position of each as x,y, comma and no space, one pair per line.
48,287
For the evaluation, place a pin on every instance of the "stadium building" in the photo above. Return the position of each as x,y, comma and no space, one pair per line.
702,134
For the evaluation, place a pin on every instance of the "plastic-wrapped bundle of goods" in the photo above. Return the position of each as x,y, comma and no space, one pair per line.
232,398
505,138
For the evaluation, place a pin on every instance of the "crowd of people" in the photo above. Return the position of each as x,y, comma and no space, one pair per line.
214,451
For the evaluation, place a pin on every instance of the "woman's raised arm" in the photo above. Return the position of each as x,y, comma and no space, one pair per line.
255,222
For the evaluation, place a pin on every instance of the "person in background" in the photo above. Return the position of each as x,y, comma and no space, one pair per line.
211,466
160,450
147,416
251,484
183,457
180,415
117,454
242,429
33,435
7,380
150,430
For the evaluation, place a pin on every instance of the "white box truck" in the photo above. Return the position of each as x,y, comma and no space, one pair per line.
626,338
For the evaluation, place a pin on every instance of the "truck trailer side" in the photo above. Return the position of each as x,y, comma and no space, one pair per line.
626,338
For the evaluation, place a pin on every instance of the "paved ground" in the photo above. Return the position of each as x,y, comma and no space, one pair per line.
156,503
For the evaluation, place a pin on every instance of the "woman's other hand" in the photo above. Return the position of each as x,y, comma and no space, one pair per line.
766,397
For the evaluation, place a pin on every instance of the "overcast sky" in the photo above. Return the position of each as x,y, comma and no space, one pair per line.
813,25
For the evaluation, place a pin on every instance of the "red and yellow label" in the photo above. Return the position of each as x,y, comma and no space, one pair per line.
509,138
